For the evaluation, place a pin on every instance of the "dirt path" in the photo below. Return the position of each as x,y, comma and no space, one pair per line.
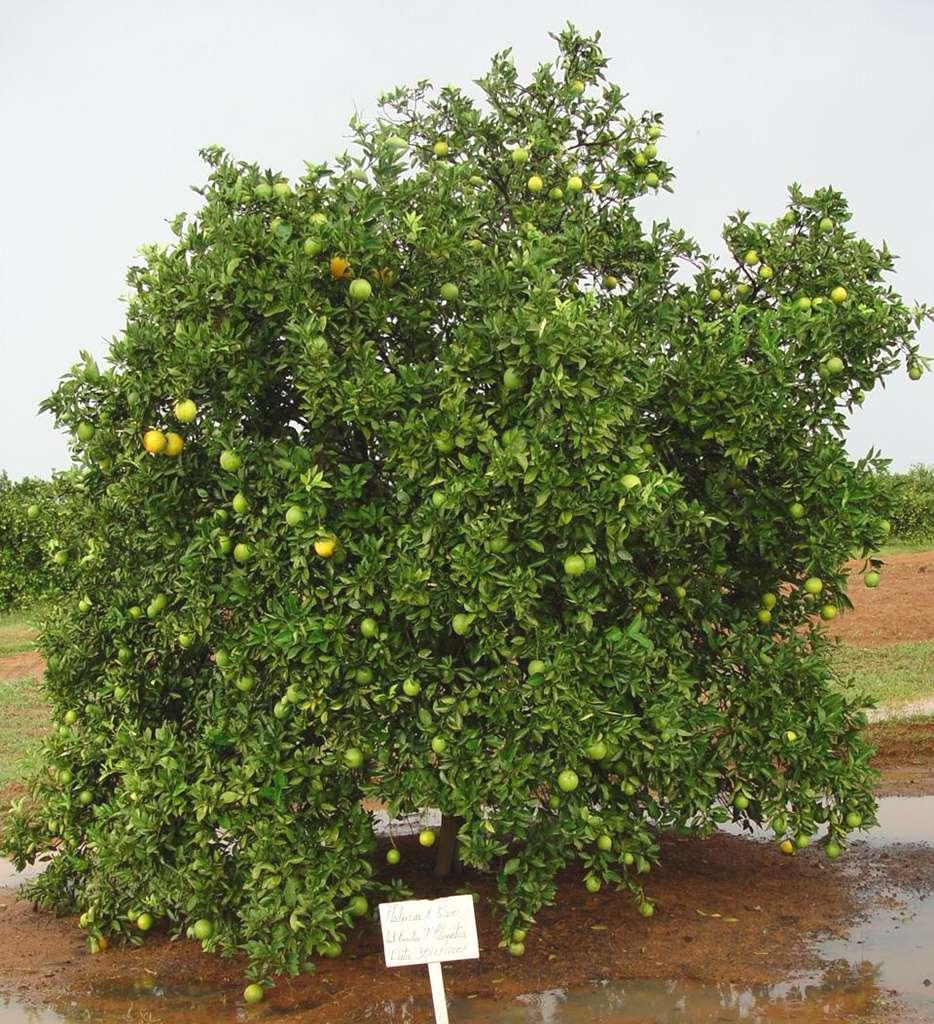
26,665
899,610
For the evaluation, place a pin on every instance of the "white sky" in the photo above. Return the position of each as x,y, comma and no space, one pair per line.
103,106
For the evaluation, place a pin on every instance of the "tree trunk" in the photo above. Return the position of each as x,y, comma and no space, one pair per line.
446,860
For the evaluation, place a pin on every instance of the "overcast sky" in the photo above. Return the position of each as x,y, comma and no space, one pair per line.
104,104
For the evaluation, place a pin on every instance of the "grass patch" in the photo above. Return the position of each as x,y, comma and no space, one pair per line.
24,720
896,674
906,547
18,631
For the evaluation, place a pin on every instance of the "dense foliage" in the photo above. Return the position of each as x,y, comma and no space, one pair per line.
910,498
439,478
34,514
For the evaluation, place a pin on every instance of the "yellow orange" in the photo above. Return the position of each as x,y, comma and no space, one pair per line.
174,443
340,268
154,441
324,546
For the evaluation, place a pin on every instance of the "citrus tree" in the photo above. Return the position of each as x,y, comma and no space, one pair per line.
35,515
440,478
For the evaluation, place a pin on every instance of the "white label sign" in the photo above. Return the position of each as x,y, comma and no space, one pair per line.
429,931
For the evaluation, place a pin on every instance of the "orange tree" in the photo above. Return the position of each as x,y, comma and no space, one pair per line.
35,517
438,478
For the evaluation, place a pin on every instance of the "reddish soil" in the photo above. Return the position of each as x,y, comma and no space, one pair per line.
899,610
905,757
728,910
28,664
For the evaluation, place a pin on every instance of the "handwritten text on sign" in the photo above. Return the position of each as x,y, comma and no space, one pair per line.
429,931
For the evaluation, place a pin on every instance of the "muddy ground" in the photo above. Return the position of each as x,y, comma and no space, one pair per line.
728,910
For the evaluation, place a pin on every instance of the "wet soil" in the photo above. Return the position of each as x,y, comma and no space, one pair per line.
904,756
728,910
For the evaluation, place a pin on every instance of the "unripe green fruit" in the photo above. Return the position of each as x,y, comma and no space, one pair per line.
253,994
358,906
520,155
872,579
813,586
360,289
295,515
449,292
568,781
229,461
574,565
353,757
369,628
461,623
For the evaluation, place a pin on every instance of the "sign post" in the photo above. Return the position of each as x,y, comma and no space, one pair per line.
430,932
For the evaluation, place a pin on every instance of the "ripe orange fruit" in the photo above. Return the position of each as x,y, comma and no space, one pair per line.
185,410
154,441
838,294
174,443
325,546
426,837
340,268
787,847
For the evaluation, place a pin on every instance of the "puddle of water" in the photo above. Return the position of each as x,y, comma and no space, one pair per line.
898,943
834,998
902,819
13,879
